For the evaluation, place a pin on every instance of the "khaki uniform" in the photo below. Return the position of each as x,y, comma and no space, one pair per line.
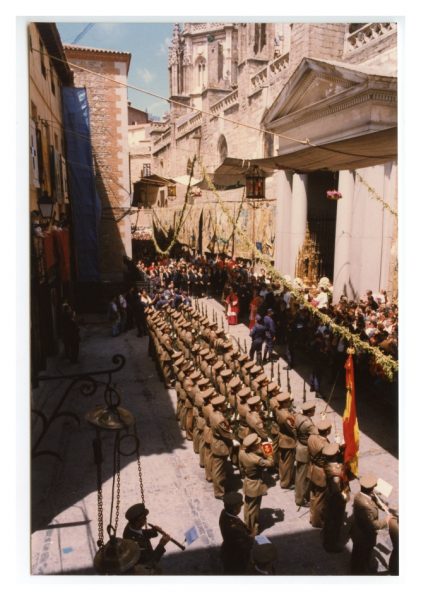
287,444
336,492
255,423
364,529
222,437
304,427
252,465
207,441
317,478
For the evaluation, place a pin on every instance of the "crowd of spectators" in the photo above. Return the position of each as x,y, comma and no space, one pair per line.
373,317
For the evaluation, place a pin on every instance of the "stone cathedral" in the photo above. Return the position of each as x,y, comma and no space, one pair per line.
314,105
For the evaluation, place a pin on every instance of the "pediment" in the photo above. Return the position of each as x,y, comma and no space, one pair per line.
315,87
313,82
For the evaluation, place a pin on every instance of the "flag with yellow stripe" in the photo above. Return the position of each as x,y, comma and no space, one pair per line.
350,421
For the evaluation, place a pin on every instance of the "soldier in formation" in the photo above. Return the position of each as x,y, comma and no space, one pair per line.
228,408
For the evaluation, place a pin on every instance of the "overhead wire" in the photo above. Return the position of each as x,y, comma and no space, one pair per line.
306,142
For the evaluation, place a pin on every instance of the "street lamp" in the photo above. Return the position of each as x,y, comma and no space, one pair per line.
46,206
255,184
255,190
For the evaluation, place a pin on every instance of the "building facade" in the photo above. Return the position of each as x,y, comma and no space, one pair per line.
314,104
108,110
52,273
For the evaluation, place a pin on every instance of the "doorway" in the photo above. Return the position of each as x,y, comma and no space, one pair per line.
321,216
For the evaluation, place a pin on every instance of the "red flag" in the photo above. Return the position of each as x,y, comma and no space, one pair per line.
350,421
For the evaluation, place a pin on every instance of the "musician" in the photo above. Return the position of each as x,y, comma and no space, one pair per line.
237,538
136,530
366,524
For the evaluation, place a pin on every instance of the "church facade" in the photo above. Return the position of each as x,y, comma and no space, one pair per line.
314,106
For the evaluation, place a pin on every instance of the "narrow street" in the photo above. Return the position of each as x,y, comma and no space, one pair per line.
64,494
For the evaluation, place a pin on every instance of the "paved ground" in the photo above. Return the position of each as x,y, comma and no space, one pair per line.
64,494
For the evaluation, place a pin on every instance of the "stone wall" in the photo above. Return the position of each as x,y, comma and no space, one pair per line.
109,135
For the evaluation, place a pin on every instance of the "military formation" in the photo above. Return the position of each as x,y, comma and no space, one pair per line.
233,413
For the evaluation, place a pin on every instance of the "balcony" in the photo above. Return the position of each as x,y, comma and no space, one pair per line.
368,35
225,103
270,73
163,141
193,123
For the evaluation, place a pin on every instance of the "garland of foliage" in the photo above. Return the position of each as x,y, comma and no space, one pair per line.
387,363
375,195
180,221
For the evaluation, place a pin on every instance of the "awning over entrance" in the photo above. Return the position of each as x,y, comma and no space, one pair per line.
146,187
364,151
345,114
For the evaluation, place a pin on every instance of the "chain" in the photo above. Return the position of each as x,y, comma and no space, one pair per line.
139,467
117,504
98,461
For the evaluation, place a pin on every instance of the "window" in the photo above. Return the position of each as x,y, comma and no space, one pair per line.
146,170
201,66
53,85
42,52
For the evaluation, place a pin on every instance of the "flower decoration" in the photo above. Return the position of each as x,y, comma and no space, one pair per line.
333,195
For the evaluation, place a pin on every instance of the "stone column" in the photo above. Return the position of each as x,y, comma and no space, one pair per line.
298,219
342,261
283,195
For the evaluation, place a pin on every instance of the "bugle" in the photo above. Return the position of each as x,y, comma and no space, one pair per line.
162,532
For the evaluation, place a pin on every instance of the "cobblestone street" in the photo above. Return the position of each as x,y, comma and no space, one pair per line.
64,507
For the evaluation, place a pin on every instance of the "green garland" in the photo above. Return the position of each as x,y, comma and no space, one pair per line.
180,221
375,195
387,363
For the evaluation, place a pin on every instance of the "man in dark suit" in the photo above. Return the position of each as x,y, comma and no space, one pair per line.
238,540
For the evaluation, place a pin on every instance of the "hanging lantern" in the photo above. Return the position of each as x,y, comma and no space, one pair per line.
118,556
172,191
255,184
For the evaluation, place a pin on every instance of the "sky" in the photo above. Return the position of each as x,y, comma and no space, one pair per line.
148,44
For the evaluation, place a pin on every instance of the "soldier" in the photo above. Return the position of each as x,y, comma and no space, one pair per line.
287,439
207,411
222,381
231,360
245,371
366,524
337,495
219,341
207,363
252,464
316,473
237,538
215,369
135,530
242,408
179,366
222,436
254,419
241,360
262,558
304,427
190,387
198,420
234,386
